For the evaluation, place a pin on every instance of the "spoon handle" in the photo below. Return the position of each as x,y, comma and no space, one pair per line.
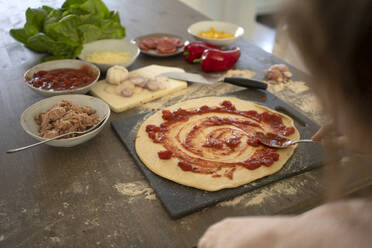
36,144
60,136
302,141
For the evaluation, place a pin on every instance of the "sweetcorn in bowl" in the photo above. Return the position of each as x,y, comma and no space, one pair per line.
226,27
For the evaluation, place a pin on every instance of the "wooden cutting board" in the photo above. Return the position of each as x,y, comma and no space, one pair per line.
118,103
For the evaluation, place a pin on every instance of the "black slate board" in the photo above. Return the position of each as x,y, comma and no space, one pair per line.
181,200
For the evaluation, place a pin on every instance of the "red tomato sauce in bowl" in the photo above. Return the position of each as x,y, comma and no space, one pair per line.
62,79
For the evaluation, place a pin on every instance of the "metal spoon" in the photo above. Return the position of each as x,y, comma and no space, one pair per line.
60,136
276,141
288,143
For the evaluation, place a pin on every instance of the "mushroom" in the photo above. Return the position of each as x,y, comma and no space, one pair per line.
125,88
161,80
152,85
278,73
138,81
127,92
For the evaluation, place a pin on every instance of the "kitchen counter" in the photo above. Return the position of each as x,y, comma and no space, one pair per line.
93,195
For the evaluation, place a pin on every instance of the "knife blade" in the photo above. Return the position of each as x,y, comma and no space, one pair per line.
197,78
186,76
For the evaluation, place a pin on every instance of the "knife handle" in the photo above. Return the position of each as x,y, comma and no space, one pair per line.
246,82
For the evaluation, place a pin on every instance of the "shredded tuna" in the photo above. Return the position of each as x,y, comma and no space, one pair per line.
65,117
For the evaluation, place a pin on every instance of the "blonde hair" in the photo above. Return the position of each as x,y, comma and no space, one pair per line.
335,39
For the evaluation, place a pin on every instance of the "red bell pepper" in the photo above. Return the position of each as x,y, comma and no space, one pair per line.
214,60
195,49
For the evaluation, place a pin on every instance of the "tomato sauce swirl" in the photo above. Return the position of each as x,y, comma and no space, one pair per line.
223,136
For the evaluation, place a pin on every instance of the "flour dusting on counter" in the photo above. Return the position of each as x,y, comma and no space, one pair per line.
135,189
298,94
259,196
235,201
240,73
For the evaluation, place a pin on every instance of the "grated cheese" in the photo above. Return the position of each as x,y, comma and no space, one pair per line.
108,57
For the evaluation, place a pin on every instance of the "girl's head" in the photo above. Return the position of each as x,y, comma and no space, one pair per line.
335,39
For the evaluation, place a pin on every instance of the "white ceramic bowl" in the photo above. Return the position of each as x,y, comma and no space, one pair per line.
30,126
61,64
197,27
110,45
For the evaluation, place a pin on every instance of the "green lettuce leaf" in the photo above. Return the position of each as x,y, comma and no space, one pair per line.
34,20
44,44
55,57
112,30
101,29
62,32
89,32
79,7
64,29
68,4
19,34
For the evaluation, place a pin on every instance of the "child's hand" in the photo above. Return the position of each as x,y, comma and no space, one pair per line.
327,134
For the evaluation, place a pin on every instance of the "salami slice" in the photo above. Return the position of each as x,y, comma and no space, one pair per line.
177,41
165,46
143,46
151,43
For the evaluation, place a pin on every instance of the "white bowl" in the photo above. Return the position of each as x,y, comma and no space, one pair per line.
110,45
197,27
30,126
61,64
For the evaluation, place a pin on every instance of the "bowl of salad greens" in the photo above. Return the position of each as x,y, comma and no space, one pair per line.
62,32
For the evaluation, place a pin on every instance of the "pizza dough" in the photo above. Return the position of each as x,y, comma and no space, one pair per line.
147,150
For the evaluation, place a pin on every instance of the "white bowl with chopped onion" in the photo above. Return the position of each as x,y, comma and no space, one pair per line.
88,110
109,52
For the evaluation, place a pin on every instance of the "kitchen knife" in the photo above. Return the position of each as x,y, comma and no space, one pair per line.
197,78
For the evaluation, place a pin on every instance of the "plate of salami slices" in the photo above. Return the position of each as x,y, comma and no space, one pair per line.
160,44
